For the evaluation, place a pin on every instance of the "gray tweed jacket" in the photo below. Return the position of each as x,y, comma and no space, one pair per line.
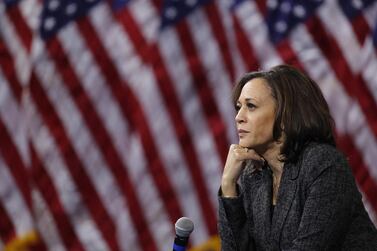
319,207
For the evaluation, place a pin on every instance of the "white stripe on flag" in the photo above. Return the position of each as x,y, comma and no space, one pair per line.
160,124
79,136
190,105
102,99
220,86
147,17
46,223
144,183
108,110
254,26
369,66
12,115
346,112
67,191
13,202
338,25
21,60
371,15
31,10
210,54
226,17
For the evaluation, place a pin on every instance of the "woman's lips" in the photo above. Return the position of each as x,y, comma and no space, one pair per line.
242,132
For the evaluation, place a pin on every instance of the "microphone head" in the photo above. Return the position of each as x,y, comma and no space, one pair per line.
183,227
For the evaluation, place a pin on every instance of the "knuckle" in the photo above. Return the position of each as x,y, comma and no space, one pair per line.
233,146
237,154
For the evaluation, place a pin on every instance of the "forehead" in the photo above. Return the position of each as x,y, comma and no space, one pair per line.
257,89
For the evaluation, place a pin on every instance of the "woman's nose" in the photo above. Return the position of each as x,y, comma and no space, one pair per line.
240,116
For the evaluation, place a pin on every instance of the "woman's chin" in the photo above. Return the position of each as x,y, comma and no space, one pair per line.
245,144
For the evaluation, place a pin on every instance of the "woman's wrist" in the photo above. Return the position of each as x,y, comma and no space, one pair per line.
229,189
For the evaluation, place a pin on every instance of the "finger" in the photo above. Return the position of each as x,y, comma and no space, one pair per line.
245,153
236,146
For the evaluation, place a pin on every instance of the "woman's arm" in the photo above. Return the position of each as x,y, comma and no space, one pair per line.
327,210
232,217
233,225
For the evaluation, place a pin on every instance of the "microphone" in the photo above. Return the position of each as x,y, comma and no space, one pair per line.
183,228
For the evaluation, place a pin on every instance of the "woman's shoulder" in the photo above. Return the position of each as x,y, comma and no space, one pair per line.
316,157
320,152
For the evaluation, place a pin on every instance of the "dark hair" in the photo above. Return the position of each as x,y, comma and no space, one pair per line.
302,112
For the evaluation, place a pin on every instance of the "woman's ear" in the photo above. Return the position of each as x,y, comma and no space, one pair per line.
282,138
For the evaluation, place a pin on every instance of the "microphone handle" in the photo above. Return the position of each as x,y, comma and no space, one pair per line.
180,243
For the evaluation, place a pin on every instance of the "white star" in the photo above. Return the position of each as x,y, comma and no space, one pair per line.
191,2
357,4
281,26
71,9
49,23
53,5
299,11
285,7
272,4
171,12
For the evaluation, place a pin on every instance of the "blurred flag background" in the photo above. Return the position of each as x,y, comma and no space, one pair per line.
115,116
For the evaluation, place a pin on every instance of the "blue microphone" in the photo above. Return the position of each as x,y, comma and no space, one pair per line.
183,228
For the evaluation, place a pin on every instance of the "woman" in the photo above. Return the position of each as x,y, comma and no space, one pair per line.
296,190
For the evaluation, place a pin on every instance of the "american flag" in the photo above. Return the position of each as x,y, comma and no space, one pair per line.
116,116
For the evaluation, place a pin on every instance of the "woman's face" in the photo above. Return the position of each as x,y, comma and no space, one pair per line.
256,115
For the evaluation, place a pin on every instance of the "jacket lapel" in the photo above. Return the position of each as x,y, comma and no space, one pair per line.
286,194
262,204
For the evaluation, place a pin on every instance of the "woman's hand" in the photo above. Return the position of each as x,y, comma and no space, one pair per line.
234,165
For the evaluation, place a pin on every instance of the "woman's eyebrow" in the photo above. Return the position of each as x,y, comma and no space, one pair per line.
250,99
246,100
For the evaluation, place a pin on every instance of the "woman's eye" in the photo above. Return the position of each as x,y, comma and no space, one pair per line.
250,106
237,107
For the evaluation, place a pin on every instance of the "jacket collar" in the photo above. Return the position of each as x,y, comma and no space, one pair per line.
285,198
263,203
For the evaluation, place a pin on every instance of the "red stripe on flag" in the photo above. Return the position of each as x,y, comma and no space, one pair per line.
7,230
186,143
200,82
14,162
98,131
125,98
7,66
39,245
360,171
219,32
360,28
73,163
345,143
47,189
247,52
284,48
288,55
170,98
22,28
334,55
262,7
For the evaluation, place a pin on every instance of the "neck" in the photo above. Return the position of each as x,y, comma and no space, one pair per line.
271,155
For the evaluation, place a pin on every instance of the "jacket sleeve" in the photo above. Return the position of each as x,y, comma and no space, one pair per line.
324,215
331,199
233,224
